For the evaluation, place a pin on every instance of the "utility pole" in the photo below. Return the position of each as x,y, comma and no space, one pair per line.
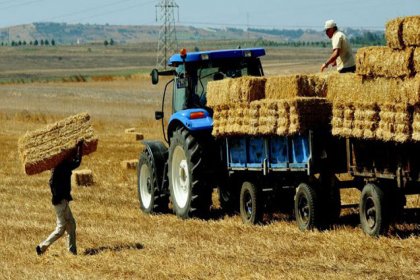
167,43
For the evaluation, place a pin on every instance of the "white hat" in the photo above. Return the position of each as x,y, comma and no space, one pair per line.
330,24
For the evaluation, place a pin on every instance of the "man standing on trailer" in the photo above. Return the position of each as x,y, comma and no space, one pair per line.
342,55
60,184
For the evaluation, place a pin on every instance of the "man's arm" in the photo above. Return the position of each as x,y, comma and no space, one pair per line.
77,160
331,60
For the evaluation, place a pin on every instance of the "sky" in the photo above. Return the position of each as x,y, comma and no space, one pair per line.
280,14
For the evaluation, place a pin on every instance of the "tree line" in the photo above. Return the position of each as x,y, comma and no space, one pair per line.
41,42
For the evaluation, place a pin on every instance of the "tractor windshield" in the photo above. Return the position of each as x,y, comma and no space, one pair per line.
204,71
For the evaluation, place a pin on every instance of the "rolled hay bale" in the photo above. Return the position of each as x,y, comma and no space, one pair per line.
411,31
218,92
129,164
83,177
394,33
416,123
395,122
352,88
308,113
45,148
384,62
366,120
289,86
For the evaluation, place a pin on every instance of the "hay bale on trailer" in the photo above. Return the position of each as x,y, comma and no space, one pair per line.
83,177
416,123
384,62
366,120
395,122
403,32
45,148
218,92
289,86
308,113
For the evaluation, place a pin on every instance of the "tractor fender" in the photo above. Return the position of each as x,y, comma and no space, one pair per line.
159,153
194,120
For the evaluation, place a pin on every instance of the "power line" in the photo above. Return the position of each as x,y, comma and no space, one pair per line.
21,4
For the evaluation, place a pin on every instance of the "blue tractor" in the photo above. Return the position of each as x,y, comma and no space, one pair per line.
185,171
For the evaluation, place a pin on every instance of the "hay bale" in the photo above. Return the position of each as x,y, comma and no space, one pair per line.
218,92
366,120
411,31
342,122
384,62
133,136
394,34
289,86
130,130
83,177
403,32
395,122
45,148
416,123
353,88
283,121
130,164
243,90
416,60
267,122
251,119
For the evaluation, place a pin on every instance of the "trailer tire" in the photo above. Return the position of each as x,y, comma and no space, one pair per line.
306,207
372,211
190,193
150,198
250,206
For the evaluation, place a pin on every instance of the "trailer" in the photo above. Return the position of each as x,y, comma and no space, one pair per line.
253,172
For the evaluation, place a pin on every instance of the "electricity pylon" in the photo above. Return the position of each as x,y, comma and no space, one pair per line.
167,43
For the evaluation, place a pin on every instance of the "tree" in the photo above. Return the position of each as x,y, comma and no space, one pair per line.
52,42
111,42
42,42
36,42
106,43
46,42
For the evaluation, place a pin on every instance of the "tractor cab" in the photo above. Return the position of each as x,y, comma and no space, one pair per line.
192,71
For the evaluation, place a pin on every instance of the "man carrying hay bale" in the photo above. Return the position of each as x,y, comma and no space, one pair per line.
342,55
60,184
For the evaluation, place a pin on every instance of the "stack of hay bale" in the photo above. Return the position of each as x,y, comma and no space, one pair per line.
281,105
45,148
381,100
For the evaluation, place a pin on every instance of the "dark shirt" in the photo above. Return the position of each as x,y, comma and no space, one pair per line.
60,181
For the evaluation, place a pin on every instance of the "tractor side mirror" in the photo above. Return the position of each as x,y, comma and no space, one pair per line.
159,115
155,76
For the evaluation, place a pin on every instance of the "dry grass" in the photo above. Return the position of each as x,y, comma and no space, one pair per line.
117,241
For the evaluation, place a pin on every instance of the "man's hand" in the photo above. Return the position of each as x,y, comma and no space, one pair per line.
324,66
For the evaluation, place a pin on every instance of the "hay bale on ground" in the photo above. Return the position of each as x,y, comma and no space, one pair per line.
284,87
83,177
45,148
133,136
394,33
384,62
130,130
395,122
416,123
130,164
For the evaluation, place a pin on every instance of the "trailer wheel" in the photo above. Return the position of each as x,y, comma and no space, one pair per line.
150,198
372,210
306,207
250,206
190,194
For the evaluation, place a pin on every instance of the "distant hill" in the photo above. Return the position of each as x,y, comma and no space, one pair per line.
69,34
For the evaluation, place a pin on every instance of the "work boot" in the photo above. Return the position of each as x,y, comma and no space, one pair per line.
38,250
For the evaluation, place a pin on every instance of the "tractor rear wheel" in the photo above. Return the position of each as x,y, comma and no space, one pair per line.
150,198
190,193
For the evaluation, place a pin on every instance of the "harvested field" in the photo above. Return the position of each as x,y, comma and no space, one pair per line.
117,241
